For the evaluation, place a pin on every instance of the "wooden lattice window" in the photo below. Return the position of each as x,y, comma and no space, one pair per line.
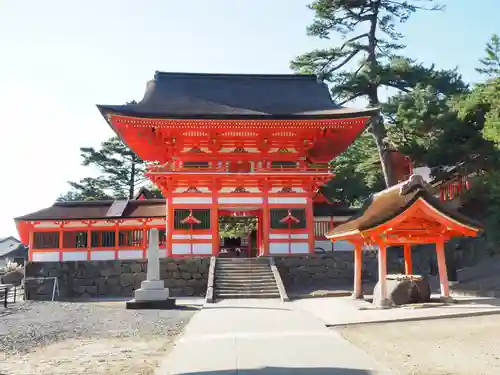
279,213
162,237
130,238
45,240
102,238
202,215
75,240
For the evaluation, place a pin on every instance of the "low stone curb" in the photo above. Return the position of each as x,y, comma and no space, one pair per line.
475,293
419,318
321,295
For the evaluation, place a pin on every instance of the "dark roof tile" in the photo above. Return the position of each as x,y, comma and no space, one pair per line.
201,94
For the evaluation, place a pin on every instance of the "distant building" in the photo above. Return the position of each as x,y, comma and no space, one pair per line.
12,250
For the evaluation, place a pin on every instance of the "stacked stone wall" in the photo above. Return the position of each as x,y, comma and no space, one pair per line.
332,268
92,279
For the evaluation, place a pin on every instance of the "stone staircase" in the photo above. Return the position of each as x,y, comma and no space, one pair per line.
246,278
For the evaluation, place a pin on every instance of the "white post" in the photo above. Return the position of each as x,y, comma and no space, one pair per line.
382,274
153,272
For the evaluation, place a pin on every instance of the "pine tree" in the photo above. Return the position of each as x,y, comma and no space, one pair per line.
121,173
367,59
490,64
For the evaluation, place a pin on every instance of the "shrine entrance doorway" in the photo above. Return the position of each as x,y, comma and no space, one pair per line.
239,233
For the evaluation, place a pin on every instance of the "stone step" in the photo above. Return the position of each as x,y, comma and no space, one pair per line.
240,262
245,282
247,295
247,290
243,277
243,266
252,275
243,272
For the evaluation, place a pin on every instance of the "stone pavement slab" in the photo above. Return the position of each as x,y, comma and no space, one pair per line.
336,311
264,337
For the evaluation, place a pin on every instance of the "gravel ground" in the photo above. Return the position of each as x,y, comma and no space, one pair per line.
458,346
85,338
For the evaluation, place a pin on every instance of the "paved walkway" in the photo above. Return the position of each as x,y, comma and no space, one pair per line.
263,337
344,310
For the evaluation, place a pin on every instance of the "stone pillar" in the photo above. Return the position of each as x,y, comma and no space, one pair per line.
153,273
358,271
408,259
152,294
443,273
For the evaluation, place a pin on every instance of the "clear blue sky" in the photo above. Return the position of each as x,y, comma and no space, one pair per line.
59,58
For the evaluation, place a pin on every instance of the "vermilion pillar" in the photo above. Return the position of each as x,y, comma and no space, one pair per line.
266,226
310,225
214,228
408,260
443,272
358,271
169,226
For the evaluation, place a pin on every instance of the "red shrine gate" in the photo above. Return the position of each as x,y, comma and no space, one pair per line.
237,143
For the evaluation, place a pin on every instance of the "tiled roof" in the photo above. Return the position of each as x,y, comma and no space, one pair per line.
97,210
393,201
215,95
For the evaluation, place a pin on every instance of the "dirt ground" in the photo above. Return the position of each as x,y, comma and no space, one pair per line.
58,338
91,356
459,346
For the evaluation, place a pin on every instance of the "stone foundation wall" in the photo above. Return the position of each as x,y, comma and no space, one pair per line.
184,277
337,268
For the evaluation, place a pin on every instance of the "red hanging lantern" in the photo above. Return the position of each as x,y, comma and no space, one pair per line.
191,220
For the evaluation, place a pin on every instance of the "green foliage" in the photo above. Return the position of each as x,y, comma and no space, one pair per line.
236,227
121,172
368,59
482,107
357,172
490,64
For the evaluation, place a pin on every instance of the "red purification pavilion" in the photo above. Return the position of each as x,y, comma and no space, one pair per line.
230,145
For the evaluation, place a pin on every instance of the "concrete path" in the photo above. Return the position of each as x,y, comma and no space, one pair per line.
336,311
263,337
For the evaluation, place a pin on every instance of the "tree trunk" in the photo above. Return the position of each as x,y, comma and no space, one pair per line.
132,180
377,124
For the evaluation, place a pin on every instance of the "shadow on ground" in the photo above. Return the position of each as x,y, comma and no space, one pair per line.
286,370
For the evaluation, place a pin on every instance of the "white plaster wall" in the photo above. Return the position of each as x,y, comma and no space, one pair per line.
240,200
45,257
192,200
130,254
287,200
180,248
102,255
74,255
286,236
194,236
202,248
300,248
278,247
